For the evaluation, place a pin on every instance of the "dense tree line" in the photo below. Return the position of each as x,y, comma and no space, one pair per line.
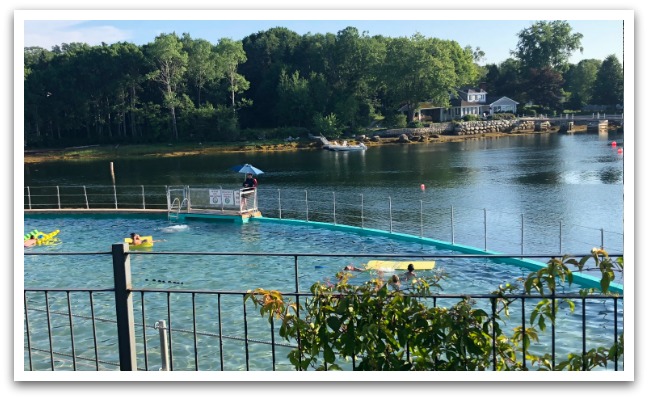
538,73
276,82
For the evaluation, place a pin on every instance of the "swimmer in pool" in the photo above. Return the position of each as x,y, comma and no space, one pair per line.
394,282
30,242
353,268
409,274
136,239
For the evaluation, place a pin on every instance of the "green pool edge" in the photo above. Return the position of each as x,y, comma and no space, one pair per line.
581,279
584,280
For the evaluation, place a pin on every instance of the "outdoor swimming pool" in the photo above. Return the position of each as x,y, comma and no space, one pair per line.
97,233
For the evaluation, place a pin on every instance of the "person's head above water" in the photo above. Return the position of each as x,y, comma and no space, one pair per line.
410,267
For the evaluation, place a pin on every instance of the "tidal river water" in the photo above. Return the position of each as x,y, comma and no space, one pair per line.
567,186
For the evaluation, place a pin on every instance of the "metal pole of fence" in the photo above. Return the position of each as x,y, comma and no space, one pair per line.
124,308
58,196
143,198
29,197
485,246
222,200
560,238
85,194
279,194
452,223
164,344
522,235
362,211
188,196
421,219
390,215
115,193
334,218
602,242
306,191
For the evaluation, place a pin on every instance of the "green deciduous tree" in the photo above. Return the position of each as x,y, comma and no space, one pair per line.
547,44
202,65
353,76
579,81
268,53
294,107
505,79
170,61
425,69
544,87
230,55
608,87
327,126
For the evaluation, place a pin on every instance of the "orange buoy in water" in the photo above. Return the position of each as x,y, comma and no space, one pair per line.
620,151
614,144
422,187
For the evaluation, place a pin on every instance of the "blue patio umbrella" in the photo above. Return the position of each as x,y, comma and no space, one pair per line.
247,168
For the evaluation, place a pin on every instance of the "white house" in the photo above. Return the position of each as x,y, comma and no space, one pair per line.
502,104
466,102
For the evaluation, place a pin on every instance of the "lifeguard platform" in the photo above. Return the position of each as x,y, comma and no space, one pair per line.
235,205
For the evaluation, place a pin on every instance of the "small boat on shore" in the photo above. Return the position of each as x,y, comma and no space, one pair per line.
334,146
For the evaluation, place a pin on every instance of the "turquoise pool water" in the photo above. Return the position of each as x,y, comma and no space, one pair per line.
97,233
85,234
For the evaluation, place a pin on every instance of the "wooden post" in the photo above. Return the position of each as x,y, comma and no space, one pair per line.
124,308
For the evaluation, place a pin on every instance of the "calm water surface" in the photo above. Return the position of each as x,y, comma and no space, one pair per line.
576,180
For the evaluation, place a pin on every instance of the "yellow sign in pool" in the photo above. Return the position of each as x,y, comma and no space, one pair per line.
400,265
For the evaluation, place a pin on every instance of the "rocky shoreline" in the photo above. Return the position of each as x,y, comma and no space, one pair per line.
396,136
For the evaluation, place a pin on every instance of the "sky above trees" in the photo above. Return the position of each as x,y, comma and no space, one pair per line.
493,32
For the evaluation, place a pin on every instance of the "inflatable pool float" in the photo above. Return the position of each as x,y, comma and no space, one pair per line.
42,238
400,265
147,242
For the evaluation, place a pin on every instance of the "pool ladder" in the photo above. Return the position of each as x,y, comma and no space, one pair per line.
174,214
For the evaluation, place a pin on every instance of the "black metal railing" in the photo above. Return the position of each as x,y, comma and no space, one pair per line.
127,328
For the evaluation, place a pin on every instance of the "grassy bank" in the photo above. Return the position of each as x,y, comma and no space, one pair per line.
150,150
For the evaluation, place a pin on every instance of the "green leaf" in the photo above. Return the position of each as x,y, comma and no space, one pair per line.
605,283
334,322
329,355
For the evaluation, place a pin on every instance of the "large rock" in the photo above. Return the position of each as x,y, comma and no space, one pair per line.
403,138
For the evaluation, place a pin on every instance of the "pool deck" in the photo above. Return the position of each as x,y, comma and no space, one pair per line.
194,213
96,210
